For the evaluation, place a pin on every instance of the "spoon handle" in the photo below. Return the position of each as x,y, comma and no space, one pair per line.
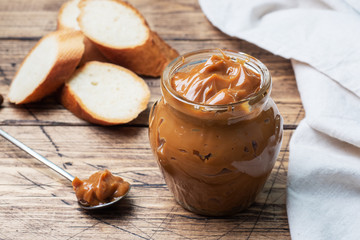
37,156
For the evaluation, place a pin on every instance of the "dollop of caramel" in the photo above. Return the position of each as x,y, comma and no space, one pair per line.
101,187
219,80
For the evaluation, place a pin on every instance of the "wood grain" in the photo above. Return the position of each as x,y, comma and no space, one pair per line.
36,203
34,195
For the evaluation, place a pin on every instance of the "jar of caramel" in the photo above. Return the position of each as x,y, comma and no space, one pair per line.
215,132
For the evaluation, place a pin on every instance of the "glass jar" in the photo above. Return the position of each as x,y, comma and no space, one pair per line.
215,158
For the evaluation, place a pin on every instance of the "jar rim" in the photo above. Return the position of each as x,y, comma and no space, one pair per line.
249,61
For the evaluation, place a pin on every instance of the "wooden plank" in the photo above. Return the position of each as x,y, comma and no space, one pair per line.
49,112
54,5
24,25
36,202
30,5
19,19
53,114
13,52
68,142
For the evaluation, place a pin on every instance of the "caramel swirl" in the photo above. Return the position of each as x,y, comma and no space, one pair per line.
219,80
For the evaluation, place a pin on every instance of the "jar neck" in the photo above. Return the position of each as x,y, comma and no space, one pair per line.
244,109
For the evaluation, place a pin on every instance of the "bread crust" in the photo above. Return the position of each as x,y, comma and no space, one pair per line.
74,104
91,53
70,51
149,58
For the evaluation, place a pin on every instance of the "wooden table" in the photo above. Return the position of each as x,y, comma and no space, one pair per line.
36,203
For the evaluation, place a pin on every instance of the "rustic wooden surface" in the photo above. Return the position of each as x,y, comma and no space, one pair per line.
36,203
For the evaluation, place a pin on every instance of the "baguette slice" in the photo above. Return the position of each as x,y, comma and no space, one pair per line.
123,36
105,94
47,66
67,19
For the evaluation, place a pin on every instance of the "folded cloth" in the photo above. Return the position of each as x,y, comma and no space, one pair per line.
322,37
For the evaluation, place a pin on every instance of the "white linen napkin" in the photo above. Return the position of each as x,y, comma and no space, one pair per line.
322,37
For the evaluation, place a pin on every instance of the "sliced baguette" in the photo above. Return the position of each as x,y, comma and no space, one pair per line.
123,36
47,66
105,94
67,16
67,19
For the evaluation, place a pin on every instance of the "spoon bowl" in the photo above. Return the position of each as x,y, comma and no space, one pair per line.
58,170
84,205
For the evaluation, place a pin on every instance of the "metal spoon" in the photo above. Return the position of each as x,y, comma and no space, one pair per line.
58,170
